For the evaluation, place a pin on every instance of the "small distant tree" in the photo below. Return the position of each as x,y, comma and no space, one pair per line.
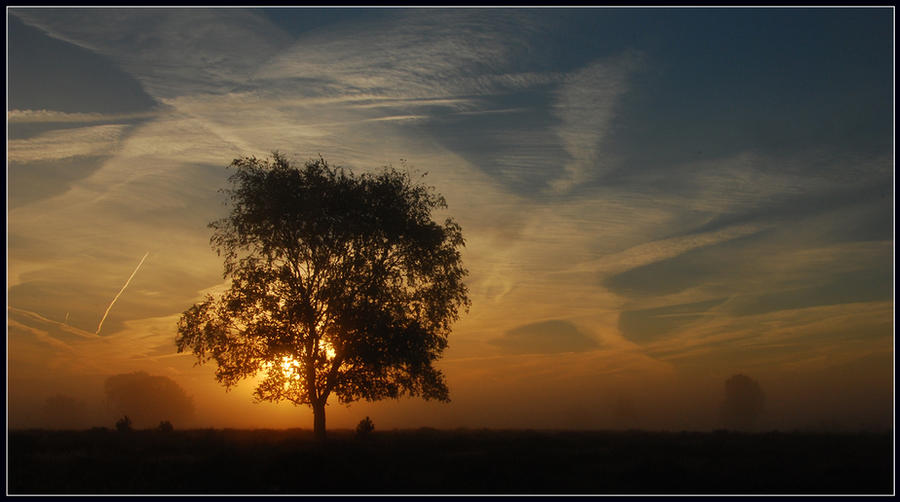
364,428
148,399
123,424
744,401
340,284
165,426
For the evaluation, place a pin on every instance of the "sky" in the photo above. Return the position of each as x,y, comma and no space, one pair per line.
653,200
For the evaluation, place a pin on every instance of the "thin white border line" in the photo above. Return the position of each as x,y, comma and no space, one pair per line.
375,7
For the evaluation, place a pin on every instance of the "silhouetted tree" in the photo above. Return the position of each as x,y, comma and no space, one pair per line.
165,426
148,398
340,284
743,403
123,424
364,428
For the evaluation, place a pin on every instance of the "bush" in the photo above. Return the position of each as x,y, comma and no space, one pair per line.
364,428
123,424
165,426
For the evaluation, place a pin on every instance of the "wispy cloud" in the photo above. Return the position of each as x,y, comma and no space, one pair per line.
145,339
655,251
171,52
586,105
813,330
58,144
40,335
416,54
61,325
53,116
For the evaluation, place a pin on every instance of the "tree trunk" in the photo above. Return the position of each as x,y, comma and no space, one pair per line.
319,420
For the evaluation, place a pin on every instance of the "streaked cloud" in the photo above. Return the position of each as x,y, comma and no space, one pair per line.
647,324
41,116
586,105
164,49
419,54
83,141
651,252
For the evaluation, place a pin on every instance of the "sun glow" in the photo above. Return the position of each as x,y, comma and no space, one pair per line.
290,367
329,350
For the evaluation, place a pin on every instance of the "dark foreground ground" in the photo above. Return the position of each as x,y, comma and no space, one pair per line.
428,461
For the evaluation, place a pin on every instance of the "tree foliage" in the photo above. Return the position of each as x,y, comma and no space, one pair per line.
339,284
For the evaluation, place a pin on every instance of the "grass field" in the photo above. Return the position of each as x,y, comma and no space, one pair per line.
427,461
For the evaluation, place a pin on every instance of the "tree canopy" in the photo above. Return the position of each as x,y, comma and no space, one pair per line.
339,284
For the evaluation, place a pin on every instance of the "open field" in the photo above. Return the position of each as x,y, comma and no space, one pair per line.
461,461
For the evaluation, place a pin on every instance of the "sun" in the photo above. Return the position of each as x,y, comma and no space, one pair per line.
290,366
329,350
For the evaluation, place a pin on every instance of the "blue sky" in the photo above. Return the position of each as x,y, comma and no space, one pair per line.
653,199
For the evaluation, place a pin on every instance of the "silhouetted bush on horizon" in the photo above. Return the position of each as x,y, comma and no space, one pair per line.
123,424
364,428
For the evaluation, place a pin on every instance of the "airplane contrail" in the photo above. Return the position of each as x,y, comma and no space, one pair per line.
120,292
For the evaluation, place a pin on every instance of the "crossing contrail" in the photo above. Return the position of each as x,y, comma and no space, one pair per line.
120,292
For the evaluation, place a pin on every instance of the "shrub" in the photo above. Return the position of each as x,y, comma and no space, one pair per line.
165,426
364,428
123,424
